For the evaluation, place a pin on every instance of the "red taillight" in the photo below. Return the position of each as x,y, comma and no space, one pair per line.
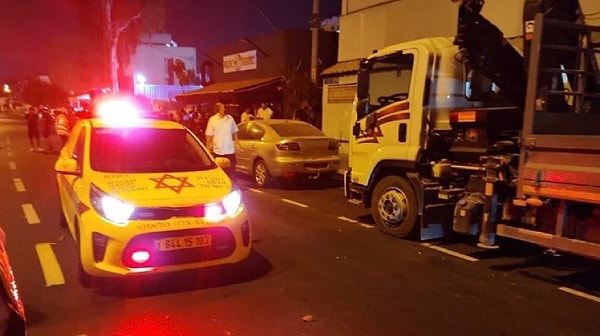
140,257
288,146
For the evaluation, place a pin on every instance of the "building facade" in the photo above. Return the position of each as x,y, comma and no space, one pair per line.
153,69
273,67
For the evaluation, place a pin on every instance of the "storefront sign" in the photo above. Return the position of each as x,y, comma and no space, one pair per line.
239,62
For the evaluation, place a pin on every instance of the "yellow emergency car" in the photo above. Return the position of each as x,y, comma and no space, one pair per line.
142,195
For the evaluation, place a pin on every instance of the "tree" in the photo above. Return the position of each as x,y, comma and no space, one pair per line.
119,26
37,92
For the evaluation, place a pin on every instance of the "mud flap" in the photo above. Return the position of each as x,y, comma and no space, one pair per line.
436,220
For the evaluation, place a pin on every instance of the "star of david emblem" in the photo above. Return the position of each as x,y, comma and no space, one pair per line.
175,183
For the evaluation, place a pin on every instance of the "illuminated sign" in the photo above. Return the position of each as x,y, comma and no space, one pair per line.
239,62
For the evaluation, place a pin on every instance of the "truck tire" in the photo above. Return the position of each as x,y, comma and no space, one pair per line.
394,207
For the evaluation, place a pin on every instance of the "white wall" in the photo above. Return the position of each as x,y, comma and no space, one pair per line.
366,25
150,60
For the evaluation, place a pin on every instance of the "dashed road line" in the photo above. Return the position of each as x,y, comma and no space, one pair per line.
450,252
580,294
30,214
354,221
9,154
50,267
19,186
256,191
302,205
12,165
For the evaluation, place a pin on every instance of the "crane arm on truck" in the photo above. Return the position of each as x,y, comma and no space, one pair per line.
484,48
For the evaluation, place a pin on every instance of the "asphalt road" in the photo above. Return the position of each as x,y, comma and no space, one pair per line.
318,267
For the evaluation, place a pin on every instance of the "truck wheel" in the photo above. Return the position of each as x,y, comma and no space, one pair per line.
262,177
394,206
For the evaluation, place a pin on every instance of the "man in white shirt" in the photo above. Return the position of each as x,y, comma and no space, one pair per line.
264,112
246,116
221,137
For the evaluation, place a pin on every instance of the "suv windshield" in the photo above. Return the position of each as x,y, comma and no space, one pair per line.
146,150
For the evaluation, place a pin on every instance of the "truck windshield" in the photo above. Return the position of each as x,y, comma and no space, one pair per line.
389,80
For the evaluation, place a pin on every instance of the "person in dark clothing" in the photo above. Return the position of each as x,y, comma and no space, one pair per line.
304,112
47,129
33,130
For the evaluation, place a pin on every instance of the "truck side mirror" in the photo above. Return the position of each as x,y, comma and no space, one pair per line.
362,108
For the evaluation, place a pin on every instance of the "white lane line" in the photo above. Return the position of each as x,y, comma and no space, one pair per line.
450,252
12,165
348,219
256,190
19,186
580,294
294,203
354,221
50,266
30,214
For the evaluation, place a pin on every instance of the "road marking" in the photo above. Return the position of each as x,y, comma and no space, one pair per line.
256,190
354,221
580,294
9,154
19,184
30,214
12,165
294,203
450,252
50,266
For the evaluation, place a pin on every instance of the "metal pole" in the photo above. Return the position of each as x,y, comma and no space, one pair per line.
314,57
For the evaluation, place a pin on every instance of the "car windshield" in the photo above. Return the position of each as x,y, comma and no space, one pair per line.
296,129
146,150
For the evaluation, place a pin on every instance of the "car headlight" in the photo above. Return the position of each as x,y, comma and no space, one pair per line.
110,207
230,205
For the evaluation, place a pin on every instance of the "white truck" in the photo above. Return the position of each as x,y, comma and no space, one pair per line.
483,135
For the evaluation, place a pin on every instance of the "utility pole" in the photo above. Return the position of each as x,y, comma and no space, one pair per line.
314,27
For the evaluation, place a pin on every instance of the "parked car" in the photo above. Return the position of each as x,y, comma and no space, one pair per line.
281,148
12,310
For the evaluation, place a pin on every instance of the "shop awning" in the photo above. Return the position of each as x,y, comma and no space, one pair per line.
343,67
231,87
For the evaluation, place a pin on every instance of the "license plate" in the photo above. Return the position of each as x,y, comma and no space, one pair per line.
185,242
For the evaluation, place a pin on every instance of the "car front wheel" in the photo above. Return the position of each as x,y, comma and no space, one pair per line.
262,177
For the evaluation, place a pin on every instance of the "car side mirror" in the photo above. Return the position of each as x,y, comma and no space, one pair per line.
68,167
223,162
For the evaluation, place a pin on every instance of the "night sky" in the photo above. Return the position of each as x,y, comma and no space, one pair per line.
30,28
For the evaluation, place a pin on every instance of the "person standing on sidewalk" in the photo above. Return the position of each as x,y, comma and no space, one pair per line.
264,112
33,129
62,126
221,137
